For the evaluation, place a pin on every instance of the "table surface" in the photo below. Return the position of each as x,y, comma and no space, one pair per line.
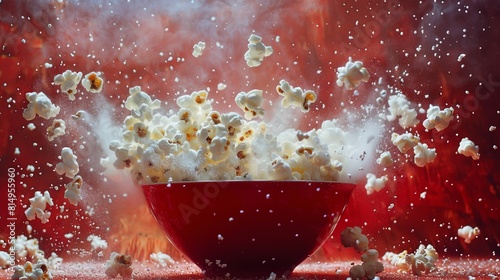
448,268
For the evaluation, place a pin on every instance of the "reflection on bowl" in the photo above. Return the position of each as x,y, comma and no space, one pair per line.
248,228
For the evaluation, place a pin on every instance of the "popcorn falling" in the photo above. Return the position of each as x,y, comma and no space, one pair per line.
92,82
468,233
404,142
4,260
251,103
198,49
38,203
73,191
58,128
385,159
119,264
468,149
162,259
295,96
423,154
96,243
68,82
374,184
39,105
352,74
69,165
437,118
399,106
256,51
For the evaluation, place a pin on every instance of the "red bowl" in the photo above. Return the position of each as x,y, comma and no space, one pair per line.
248,228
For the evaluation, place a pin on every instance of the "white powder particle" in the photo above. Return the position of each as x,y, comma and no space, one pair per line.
493,128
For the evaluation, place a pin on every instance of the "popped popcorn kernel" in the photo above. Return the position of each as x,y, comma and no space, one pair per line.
385,159
96,243
468,149
37,207
251,103
423,260
405,142
295,96
4,260
92,82
352,74
468,233
374,184
162,259
68,82
137,98
41,105
198,48
399,106
256,51
423,154
72,192
58,128
352,237
437,118
119,264
68,165
39,271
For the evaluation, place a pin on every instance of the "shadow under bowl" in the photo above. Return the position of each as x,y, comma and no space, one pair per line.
248,228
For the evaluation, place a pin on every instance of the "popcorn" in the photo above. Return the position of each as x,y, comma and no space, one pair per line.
39,105
422,261
119,264
68,82
468,233
423,154
162,259
198,48
295,96
251,103
468,149
4,260
256,51
92,82
438,119
54,261
352,74
371,265
39,271
37,207
58,128
138,98
399,106
97,243
404,142
69,165
352,237
72,192
374,184
385,159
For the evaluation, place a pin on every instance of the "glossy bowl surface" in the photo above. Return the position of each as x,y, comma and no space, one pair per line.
248,228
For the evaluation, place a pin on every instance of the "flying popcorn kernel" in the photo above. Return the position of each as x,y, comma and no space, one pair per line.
4,260
96,243
58,128
437,118
198,48
468,149
72,192
374,184
371,265
68,82
352,74
119,264
423,154
37,207
399,106
92,82
468,233
295,96
256,51
39,105
138,97
352,237
68,166
404,142
251,103
385,159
